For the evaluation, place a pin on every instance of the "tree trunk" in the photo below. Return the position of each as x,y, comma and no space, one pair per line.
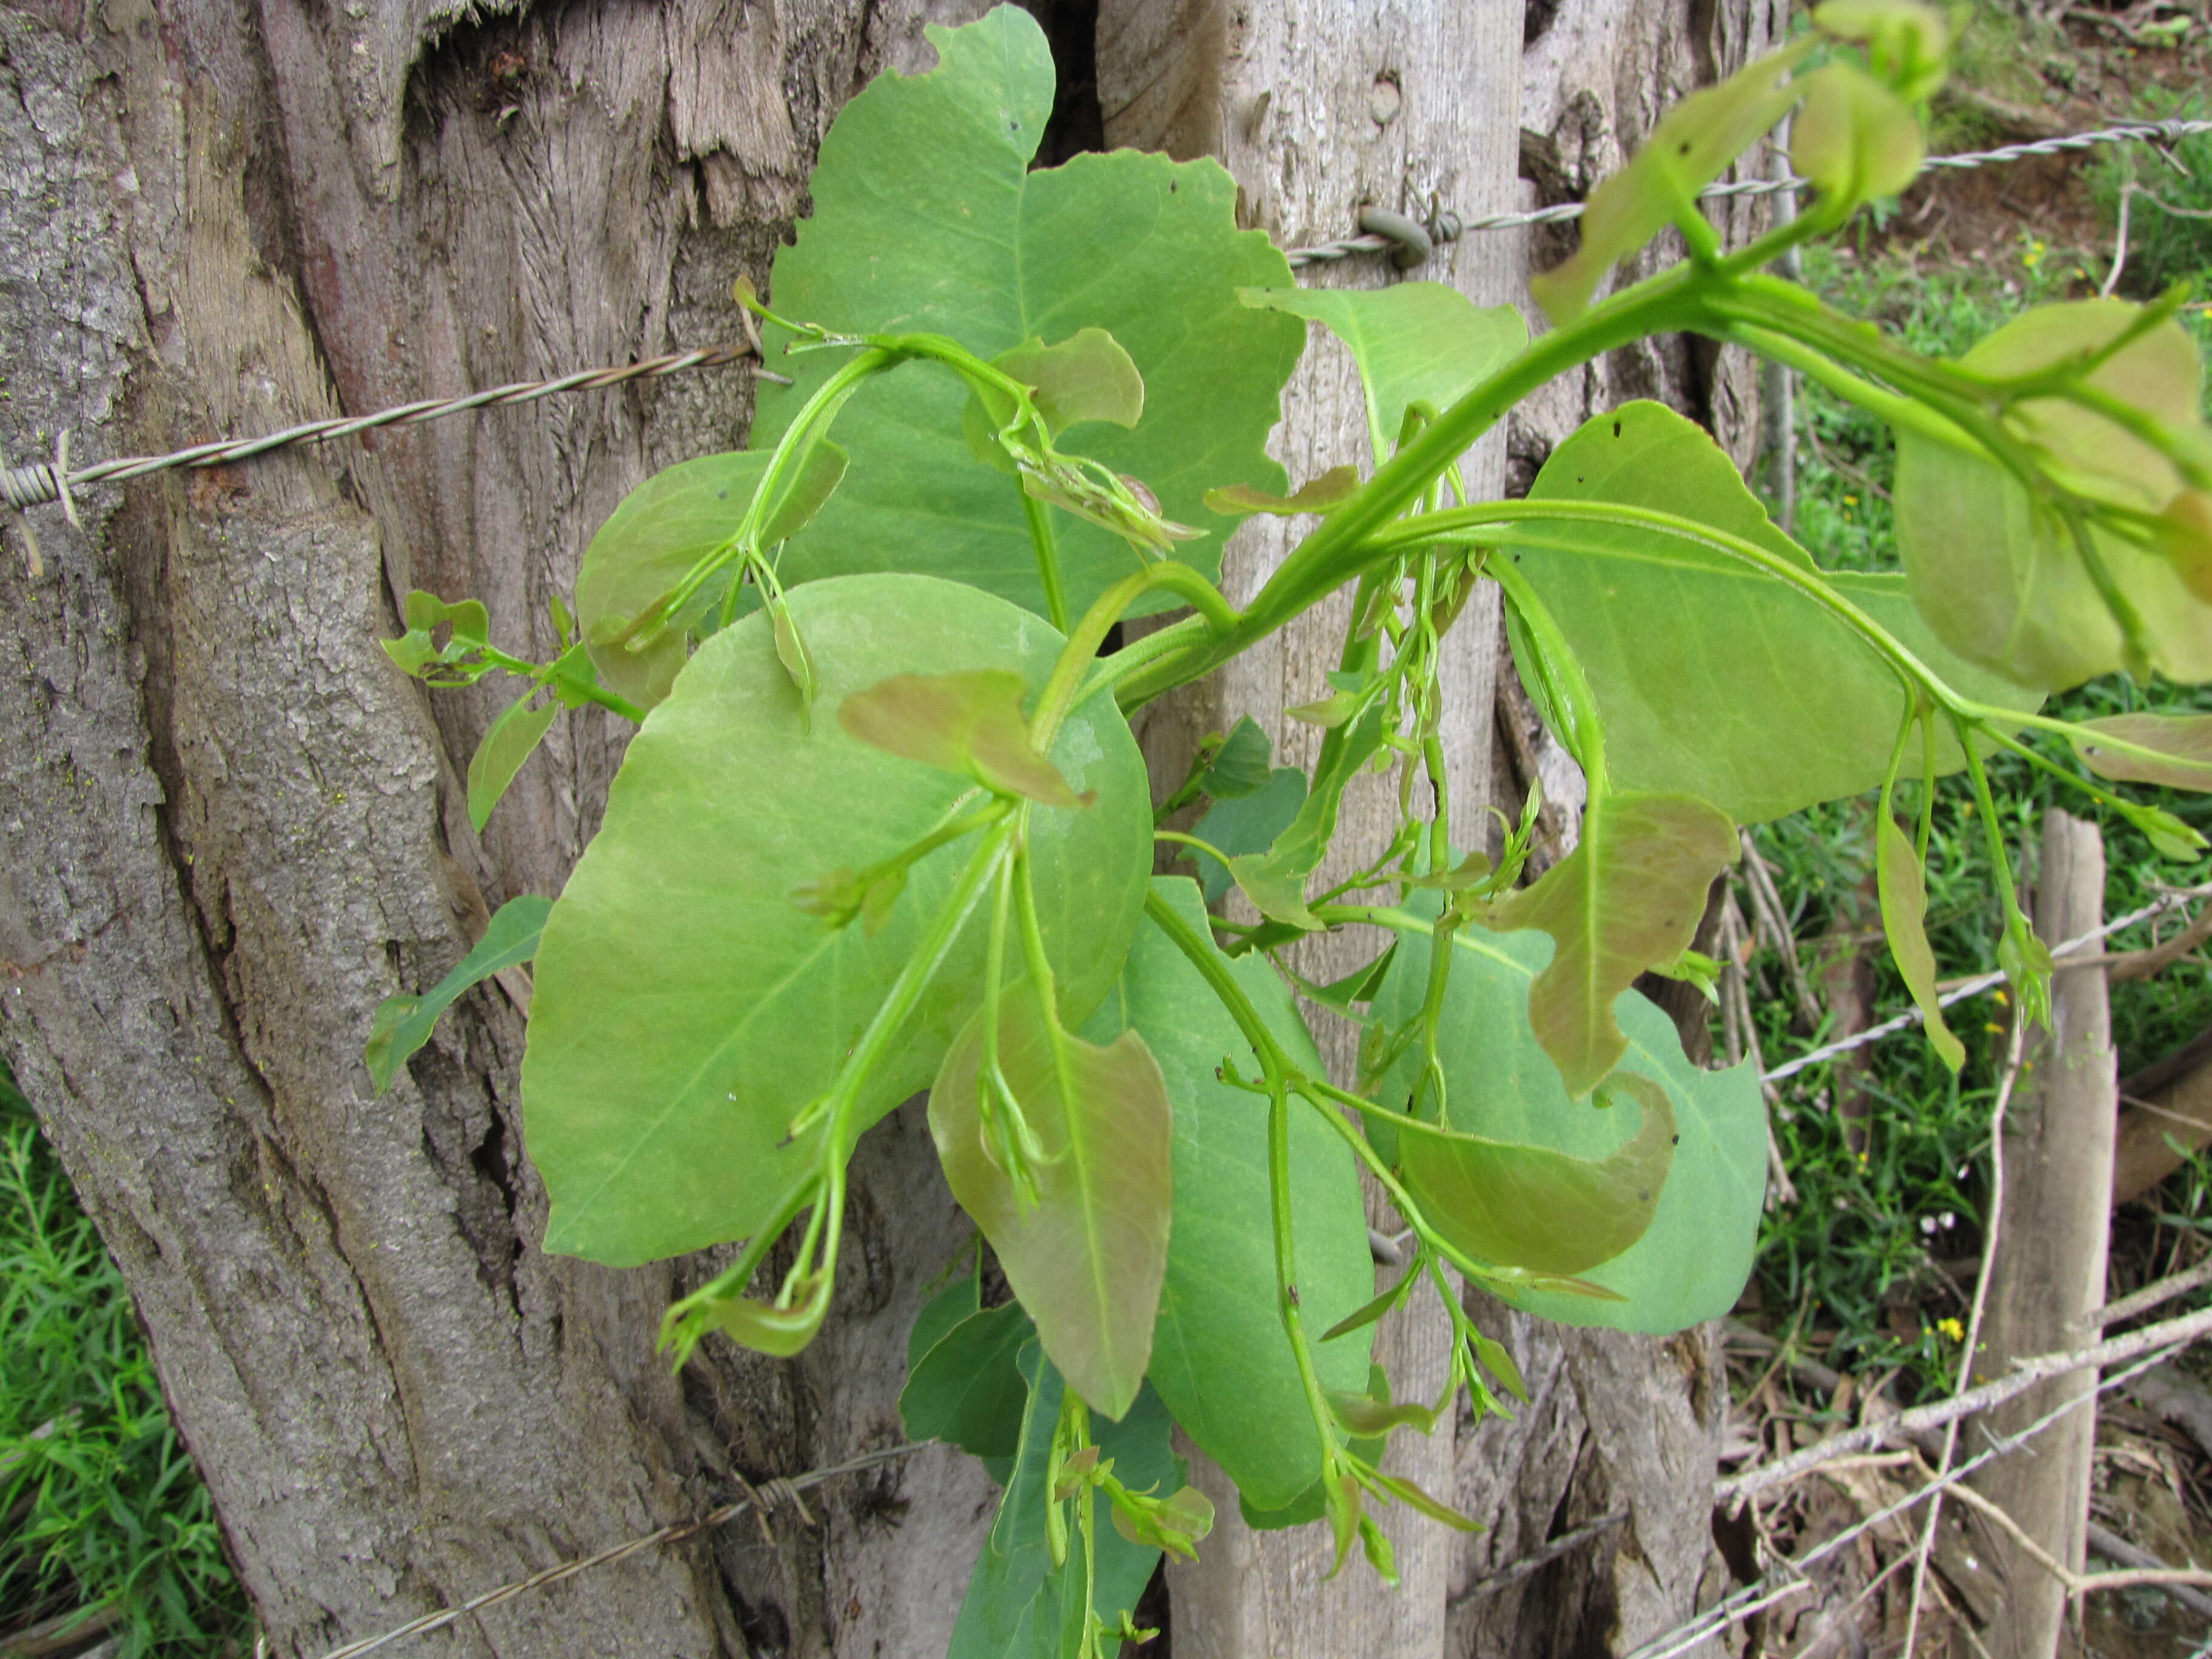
232,827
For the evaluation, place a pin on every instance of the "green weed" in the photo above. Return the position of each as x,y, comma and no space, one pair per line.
101,1504
2169,211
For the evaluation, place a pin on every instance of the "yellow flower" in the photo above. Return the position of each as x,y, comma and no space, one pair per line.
1952,1329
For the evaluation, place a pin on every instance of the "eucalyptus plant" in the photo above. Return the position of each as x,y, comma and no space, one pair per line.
884,826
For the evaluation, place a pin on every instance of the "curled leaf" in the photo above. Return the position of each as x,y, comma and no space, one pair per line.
1174,1523
1366,1418
779,1332
1854,139
1318,495
970,722
2183,744
1535,1208
1086,377
1628,897
1088,1257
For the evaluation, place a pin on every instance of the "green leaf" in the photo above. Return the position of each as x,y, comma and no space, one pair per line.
1996,572
1365,1417
970,722
687,1009
1332,486
1904,896
1087,1256
1086,377
1415,342
1535,1206
1854,139
403,1023
2182,742
507,742
1629,896
1691,1262
966,1388
1276,880
1220,1356
1693,144
1240,767
928,218
955,1302
1018,1606
1790,706
1249,824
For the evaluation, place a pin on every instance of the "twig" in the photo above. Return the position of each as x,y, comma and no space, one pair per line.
2149,1297
1538,1559
2027,1373
2141,965
2113,1547
2119,243
1926,1548
1766,905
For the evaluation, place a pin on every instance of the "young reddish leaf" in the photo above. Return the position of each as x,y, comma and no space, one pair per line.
1335,485
1087,1259
969,722
1693,142
1904,896
507,742
1535,1208
1629,896
2183,743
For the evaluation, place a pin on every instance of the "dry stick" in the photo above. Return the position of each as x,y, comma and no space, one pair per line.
1766,904
1754,1597
1982,983
2113,1351
2141,965
2113,1547
2120,244
1926,1545
2149,1297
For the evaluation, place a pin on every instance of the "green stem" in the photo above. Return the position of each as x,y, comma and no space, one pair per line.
1078,657
1039,517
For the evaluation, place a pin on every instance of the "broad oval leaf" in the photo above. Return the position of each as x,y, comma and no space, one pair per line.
2183,744
1422,343
1903,892
1692,1262
1087,1257
927,219
1220,1356
1628,897
687,1009
1713,679
1995,572
1537,1208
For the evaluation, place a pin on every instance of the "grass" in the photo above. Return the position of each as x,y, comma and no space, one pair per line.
1883,1195
2170,215
100,1505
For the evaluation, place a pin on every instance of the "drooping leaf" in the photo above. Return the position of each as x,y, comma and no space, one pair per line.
928,218
1535,1206
1855,138
1276,880
1903,895
1086,377
2183,742
966,1388
1018,1606
1240,768
1422,343
403,1023
970,722
1692,142
687,1009
1220,1356
507,742
1996,572
1247,824
1368,1417
1086,1258
1318,495
1792,706
1690,1264
1628,897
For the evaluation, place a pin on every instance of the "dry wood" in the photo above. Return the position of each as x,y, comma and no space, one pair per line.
2049,1267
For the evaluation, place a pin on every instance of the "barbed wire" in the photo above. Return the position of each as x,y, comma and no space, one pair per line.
1408,240
783,1488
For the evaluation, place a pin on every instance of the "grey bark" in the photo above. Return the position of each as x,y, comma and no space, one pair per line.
232,828
2049,1270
